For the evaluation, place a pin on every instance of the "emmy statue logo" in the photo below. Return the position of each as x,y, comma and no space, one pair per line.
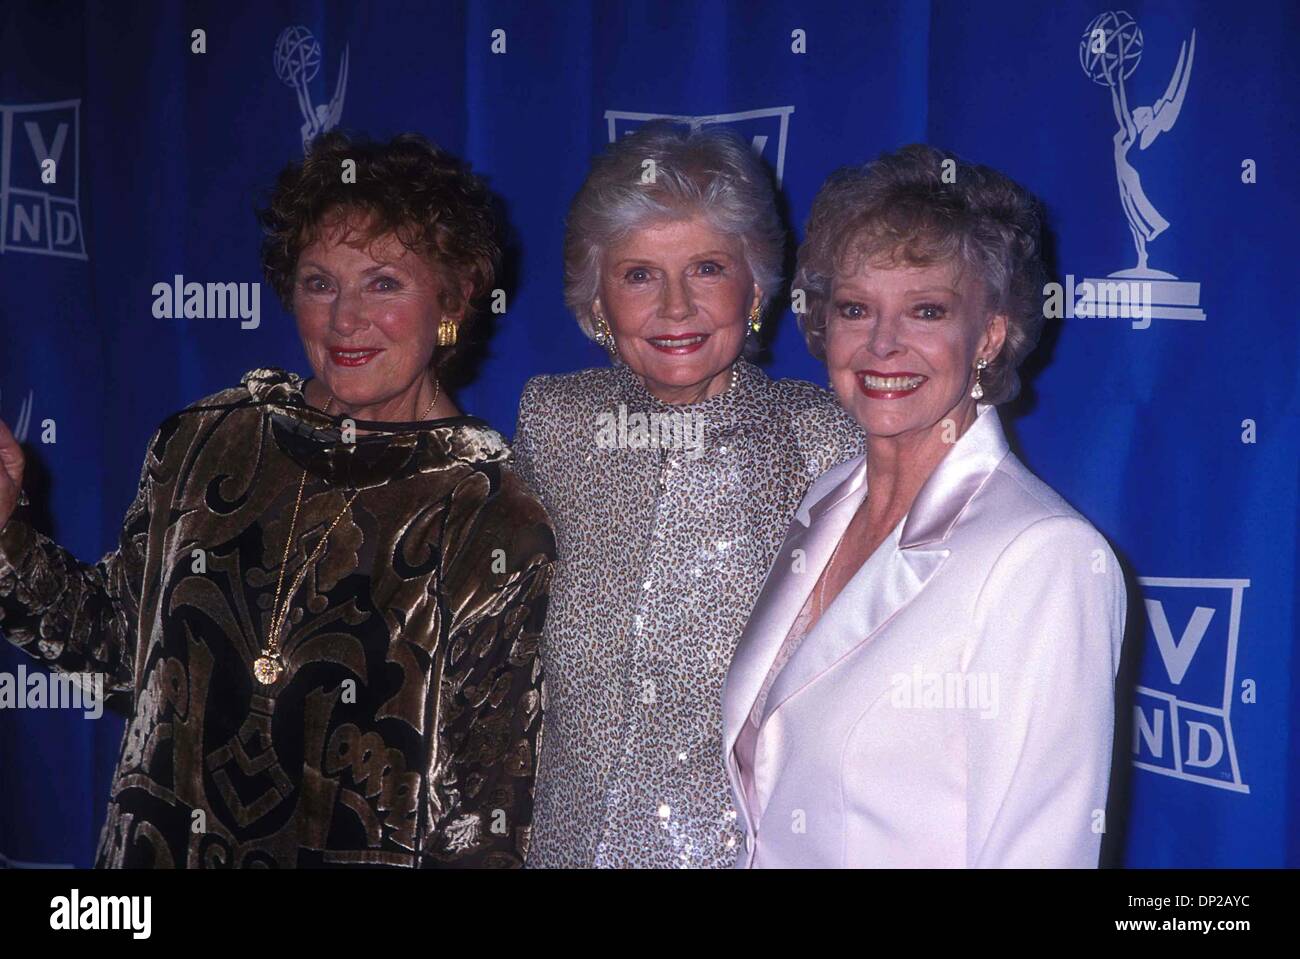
1109,52
297,61
24,421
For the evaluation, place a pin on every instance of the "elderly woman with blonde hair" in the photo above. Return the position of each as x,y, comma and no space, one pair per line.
670,477
928,676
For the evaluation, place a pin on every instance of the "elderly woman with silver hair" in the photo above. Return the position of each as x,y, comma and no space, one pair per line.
670,477
928,676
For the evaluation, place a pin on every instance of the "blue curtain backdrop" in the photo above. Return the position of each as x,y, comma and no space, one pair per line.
1177,438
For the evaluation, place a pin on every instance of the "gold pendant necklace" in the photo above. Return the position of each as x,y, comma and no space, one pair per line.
268,667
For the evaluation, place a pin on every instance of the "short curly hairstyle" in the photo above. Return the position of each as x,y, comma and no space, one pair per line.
707,171
899,210
408,188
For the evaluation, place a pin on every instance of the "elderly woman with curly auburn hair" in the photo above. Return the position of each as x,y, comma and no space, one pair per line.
670,477
928,676
326,604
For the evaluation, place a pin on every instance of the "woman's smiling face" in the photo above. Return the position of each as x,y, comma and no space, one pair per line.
368,314
676,295
902,343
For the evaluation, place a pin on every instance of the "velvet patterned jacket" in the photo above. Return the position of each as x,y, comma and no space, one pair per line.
403,730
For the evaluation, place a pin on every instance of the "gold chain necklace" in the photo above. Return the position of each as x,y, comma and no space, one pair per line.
268,667
821,589
826,574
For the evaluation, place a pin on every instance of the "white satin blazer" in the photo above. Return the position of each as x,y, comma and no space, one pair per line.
954,705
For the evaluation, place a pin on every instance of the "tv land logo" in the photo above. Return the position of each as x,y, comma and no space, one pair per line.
766,130
1109,53
1182,711
297,61
40,202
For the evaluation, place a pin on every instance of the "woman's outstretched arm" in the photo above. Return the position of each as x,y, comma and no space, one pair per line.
72,616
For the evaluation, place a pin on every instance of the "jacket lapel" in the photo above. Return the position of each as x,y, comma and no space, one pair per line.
815,529
886,583
900,568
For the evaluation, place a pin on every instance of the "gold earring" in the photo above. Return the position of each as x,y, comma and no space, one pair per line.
755,320
604,337
447,333
978,392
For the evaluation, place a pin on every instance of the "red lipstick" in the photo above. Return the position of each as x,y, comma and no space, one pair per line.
678,344
358,357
